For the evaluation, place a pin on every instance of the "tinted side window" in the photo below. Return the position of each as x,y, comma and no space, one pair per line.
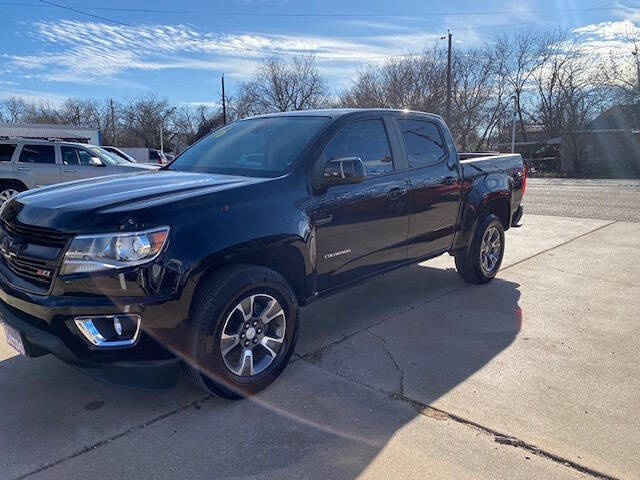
85,157
75,156
423,142
37,154
69,155
366,139
6,152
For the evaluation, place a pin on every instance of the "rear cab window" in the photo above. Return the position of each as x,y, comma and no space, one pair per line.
367,140
38,154
423,142
6,151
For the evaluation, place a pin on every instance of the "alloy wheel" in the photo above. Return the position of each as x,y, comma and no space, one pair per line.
490,250
6,195
253,334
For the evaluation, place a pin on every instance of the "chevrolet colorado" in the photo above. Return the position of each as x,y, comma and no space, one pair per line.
207,260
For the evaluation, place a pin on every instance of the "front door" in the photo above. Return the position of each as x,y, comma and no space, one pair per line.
362,228
76,164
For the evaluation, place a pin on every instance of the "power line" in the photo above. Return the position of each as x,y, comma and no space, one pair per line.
293,53
249,49
336,15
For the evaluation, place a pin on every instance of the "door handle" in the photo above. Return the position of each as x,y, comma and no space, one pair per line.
70,170
449,180
396,192
26,169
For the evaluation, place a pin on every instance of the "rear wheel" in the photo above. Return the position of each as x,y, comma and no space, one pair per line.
244,330
481,261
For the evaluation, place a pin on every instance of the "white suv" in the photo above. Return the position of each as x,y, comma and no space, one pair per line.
27,164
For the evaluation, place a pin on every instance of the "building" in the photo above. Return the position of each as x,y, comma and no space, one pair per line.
69,133
608,146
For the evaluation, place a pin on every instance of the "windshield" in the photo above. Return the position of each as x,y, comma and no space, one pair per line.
109,157
124,156
259,147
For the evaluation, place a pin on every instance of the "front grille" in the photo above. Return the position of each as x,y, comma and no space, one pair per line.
30,255
36,235
33,270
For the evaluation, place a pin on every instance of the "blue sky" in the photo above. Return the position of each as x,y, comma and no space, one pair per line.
181,48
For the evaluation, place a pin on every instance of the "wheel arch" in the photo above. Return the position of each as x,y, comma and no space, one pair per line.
13,182
477,207
290,258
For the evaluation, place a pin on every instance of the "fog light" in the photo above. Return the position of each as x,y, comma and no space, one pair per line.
117,326
110,330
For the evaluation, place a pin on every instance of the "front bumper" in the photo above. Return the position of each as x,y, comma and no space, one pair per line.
39,339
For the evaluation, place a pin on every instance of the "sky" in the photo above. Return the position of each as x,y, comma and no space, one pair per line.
51,50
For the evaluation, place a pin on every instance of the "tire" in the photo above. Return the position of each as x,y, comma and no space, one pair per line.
9,189
470,264
220,306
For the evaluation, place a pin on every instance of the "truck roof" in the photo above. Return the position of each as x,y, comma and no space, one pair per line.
338,112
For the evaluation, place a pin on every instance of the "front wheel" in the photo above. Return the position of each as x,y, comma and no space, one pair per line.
7,193
245,326
481,261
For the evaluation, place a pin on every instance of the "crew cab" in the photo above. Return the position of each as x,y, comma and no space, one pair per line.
207,261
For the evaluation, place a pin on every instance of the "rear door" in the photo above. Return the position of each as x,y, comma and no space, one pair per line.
362,228
37,165
6,156
435,185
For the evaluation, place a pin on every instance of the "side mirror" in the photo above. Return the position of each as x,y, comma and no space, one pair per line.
96,162
343,171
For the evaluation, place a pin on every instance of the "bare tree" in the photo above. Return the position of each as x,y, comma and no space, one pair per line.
14,109
144,116
416,82
621,71
518,57
281,86
477,103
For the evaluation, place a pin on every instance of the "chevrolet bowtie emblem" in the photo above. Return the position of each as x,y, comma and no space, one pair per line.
11,248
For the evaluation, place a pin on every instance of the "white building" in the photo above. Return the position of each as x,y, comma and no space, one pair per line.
69,133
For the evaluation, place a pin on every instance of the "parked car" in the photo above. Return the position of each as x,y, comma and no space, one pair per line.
156,156
208,260
27,164
145,155
120,153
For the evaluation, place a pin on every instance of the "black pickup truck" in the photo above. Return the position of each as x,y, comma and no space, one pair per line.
207,260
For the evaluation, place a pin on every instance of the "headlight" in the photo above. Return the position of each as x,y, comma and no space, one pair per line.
92,253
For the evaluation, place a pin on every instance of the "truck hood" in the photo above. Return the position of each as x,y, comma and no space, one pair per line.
140,166
85,205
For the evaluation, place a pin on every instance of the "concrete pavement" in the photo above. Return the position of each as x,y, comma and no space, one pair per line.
586,198
412,375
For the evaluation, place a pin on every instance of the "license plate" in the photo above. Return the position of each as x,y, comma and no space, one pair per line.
14,339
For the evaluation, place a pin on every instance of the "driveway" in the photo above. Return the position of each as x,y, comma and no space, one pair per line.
414,374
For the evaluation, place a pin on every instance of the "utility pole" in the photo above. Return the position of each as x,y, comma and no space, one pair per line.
513,128
448,110
637,59
113,124
224,104
448,117
161,138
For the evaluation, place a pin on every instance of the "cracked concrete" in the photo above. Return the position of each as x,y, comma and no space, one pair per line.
412,375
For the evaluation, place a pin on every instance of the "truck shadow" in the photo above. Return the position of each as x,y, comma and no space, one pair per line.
368,360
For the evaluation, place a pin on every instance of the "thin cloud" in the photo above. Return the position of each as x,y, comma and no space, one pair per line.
92,52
